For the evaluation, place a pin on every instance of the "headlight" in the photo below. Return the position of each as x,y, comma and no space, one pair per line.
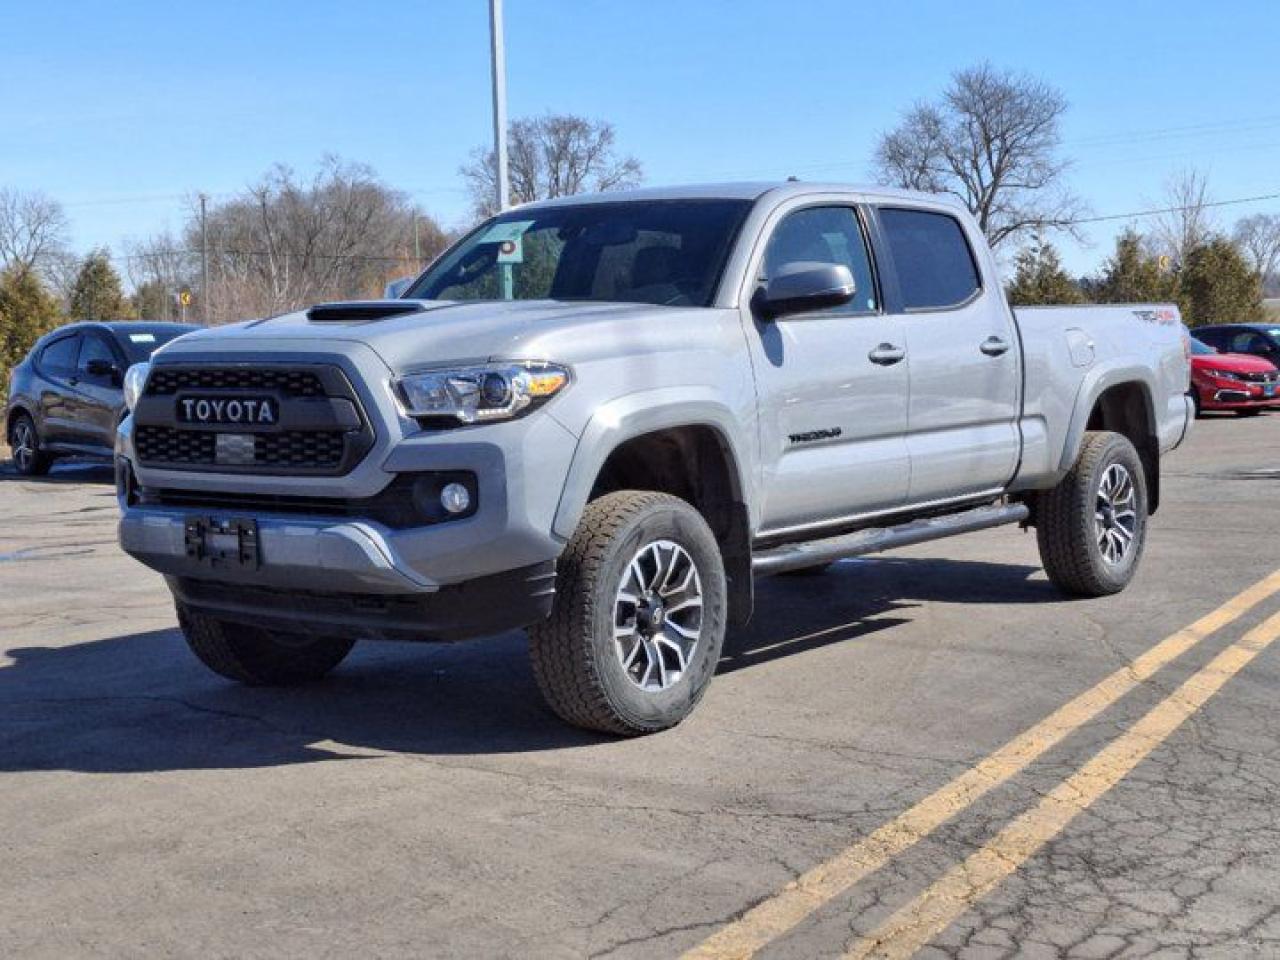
135,378
1223,374
496,391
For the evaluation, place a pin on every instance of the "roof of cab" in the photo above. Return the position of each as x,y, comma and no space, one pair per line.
751,190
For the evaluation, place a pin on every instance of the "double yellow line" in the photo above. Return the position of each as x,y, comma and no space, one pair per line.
931,912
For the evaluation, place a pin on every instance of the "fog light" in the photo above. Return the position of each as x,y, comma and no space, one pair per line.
455,498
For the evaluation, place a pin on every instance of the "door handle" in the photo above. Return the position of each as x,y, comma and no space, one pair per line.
886,354
994,346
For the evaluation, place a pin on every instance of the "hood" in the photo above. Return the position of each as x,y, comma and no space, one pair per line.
440,331
1235,362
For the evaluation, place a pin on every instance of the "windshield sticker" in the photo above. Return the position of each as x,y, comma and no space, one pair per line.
142,338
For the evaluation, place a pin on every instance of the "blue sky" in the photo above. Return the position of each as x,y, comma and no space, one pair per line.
120,109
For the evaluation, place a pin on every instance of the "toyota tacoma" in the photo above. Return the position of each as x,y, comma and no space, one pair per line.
602,418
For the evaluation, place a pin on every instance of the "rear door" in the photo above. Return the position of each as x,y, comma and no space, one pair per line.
963,356
57,367
832,390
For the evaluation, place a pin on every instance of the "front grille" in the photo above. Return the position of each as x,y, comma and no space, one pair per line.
167,445
1269,376
291,383
299,448
320,431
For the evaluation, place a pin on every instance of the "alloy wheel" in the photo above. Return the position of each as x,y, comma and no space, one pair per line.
657,615
24,445
1116,514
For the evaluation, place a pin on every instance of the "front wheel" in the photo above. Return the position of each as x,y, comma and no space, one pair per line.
256,656
1092,526
639,617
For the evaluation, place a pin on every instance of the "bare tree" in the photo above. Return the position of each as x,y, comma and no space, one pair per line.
286,243
1188,222
1258,238
160,267
33,227
992,141
556,155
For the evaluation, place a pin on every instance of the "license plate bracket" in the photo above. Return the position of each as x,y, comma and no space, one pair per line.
228,542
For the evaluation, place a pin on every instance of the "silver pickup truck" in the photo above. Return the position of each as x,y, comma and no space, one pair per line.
601,418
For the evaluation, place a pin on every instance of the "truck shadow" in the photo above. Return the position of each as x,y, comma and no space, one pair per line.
141,702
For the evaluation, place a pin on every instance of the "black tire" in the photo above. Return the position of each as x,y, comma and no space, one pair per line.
1194,394
576,658
24,442
1068,527
258,657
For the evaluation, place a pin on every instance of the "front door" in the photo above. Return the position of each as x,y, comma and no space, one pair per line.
962,349
832,384
98,395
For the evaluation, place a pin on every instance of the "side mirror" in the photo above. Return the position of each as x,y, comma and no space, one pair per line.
805,285
396,288
103,368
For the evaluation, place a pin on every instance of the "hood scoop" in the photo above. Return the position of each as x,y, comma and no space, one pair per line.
362,311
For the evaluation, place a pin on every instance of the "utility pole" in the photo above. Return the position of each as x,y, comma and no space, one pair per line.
417,244
499,60
204,264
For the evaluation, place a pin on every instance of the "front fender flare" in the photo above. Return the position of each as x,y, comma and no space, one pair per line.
636,414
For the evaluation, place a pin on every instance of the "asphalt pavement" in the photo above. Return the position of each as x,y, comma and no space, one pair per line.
927,751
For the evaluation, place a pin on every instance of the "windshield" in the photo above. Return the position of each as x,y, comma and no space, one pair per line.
668,252
138,344
1199,348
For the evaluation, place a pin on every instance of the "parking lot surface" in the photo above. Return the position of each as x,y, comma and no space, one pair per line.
927,751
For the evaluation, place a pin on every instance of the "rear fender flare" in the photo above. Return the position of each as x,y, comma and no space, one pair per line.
1097,382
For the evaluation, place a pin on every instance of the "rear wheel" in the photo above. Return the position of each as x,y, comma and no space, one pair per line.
639,616
259,657
1092,526
1194,394
24,441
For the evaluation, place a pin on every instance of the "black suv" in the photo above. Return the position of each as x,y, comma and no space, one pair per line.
1259,339
67,396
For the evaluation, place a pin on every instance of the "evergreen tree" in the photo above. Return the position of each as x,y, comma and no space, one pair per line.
27,311
1132,275
96,294
151,301
1039,278
1216,285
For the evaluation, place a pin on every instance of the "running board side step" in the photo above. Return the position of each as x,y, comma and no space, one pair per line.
797,556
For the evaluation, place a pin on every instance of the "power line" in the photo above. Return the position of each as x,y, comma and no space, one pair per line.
1155,213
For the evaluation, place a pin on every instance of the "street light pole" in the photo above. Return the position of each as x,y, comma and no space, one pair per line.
204,265
498,58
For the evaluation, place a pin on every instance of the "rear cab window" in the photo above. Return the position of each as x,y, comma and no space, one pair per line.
935,265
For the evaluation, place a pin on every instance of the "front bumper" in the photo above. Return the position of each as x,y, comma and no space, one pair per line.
354,571
1218,396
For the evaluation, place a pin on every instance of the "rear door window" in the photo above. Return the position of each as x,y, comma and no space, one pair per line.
935,266
58,359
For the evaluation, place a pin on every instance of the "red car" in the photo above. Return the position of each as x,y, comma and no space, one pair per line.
1232,381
